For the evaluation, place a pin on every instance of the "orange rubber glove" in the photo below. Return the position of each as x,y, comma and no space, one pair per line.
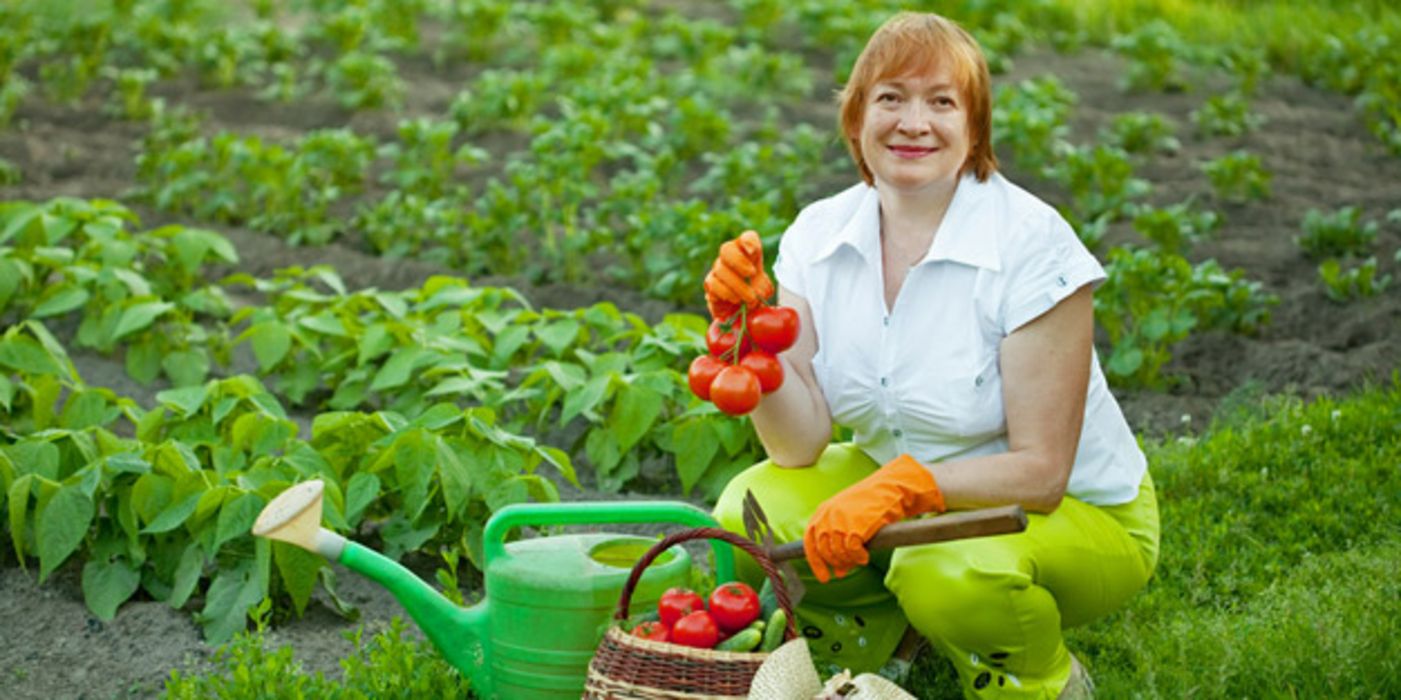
737,278
836,535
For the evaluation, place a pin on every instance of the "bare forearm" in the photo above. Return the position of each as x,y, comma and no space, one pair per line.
1031,480
793,422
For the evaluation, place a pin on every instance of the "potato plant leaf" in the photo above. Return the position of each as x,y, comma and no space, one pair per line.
232,593
187,575
585,398
173,516
138,317
236,517
298,569
107,583
695,446
455,477
362,490
26,355
17,500
396,371
635,409
60,527
60,300
271,342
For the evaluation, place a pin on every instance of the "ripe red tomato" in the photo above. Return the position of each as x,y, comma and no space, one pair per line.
735,390
652,630
719,339
696,630
766,369
734,605
677,603
702,373
774,328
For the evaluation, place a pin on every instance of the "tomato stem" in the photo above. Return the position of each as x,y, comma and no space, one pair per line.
739,331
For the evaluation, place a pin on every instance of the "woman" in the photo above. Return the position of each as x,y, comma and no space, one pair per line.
947,321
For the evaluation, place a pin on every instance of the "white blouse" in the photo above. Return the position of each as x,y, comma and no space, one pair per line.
924,378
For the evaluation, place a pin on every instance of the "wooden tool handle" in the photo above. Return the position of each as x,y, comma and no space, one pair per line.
1001,520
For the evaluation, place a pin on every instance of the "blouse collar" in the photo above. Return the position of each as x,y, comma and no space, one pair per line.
965,235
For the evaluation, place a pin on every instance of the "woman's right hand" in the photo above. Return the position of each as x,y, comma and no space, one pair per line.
737,277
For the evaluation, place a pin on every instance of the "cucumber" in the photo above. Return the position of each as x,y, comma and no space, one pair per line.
774,631
743,640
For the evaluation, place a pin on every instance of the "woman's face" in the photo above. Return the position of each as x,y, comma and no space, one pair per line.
914,134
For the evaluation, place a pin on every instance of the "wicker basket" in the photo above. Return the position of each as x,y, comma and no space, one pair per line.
631,668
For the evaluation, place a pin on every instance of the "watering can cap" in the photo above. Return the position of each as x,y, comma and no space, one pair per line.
294,516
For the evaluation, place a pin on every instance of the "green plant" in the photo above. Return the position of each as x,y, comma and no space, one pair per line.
1346,283
424,161
1152,300
1100,180
390,664
1141,133
1173,229
143,292
1156,54
10,174
131,88
1238,176
1249,64
361,80
11,94
1031,118
1226,115
1336,234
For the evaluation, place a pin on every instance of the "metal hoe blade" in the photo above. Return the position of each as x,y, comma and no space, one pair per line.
757,528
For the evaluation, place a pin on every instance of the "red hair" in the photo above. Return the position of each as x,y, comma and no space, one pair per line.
914,43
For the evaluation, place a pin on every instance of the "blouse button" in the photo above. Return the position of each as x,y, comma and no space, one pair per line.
885,321
885,381
1061,280
978,381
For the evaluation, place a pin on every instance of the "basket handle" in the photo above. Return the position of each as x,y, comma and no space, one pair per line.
697,533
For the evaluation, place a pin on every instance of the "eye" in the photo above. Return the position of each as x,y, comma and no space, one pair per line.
887,96
944,101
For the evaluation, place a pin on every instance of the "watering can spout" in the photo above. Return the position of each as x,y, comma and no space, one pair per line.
295,517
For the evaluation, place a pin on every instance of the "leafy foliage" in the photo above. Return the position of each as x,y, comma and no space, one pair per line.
1343,284
1338,233
1238,176
388,665
1152,300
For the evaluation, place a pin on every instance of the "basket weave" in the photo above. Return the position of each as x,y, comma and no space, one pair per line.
631,668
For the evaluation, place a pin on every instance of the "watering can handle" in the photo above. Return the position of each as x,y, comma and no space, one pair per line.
950,526
601,512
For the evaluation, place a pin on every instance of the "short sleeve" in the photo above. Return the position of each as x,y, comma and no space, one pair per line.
1050,265
788,269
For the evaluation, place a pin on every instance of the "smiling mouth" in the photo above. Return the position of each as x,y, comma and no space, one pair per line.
912,151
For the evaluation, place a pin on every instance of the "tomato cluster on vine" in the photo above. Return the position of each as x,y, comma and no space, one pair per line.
742,359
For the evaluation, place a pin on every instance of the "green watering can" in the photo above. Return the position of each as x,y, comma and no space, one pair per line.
533,634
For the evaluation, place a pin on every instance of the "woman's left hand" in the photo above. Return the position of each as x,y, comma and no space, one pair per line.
836,535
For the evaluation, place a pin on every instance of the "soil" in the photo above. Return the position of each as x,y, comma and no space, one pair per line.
1314,142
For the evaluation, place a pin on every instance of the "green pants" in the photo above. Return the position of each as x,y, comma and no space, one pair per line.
995,606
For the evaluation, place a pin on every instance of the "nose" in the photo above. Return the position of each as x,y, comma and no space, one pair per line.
914,118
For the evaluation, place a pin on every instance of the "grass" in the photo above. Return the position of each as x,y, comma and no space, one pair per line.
1290,31
1281,547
